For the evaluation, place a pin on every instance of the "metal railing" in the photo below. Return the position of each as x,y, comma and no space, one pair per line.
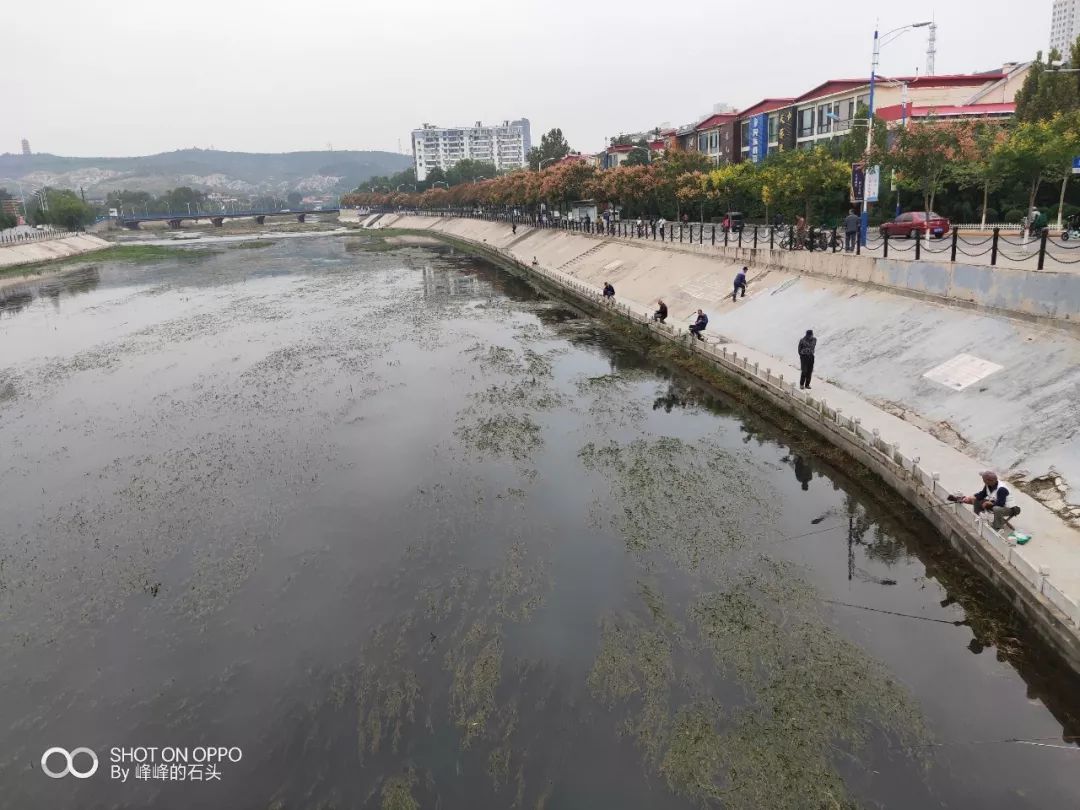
926,485
997,247
30,237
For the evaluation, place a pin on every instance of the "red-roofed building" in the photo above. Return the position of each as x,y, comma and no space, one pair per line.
716,137
830,109
763,128
616,155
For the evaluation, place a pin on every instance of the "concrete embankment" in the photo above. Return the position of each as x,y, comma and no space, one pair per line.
925,436
49,249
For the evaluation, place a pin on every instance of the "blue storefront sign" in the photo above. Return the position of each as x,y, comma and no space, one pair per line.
759,137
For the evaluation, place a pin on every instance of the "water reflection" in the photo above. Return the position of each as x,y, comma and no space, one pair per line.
17,297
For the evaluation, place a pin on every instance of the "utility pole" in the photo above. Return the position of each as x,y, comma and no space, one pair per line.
931,49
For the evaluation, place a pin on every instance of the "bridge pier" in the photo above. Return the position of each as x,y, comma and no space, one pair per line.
300,217
174,224
218,221
261,218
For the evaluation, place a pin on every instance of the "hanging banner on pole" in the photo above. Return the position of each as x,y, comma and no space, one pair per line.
759,137
873,183
858,182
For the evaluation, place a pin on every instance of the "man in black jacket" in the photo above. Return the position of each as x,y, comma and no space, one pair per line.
698,326
661,311
852,224
807,347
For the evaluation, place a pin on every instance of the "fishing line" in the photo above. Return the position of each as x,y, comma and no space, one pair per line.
954,623
1042,742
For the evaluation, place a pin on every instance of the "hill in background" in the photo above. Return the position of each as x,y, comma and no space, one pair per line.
205,169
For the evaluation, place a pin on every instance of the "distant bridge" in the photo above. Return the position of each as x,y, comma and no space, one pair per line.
218,218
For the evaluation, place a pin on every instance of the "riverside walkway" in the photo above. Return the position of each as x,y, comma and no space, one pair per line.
1042,578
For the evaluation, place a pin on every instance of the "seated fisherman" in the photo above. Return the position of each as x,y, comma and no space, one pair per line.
993,498
699,325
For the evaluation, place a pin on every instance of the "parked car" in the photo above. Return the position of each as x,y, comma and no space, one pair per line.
915,222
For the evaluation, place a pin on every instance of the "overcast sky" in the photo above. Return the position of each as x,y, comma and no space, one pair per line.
119,77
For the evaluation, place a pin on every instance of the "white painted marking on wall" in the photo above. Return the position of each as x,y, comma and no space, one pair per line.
615,265
962,371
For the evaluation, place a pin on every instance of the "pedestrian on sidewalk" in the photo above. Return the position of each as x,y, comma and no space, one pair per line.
807,347
800,232
740,284
661,223
852,224
993,498
513,226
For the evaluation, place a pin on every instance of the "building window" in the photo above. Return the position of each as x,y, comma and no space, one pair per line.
806,122
744,131
825,117
714,141
772,128
702,142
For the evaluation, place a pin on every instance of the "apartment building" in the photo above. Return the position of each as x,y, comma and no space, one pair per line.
506,145
1064,25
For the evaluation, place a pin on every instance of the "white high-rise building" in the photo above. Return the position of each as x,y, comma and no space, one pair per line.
1064,26
506,145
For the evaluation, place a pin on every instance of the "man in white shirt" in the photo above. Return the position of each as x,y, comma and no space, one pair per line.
994,498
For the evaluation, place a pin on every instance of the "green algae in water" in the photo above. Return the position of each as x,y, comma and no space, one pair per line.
665,498
397,793
506,435
528,394
811,697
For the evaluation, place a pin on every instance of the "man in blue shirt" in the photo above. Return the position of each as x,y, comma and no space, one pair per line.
994,498
740,284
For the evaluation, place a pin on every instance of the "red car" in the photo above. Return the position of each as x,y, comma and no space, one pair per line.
915,222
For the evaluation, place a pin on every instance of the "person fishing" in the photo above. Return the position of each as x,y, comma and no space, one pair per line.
661,311
807,347
698,326
994,498
740,284
609,292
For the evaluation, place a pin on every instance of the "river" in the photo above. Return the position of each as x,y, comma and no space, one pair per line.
394,530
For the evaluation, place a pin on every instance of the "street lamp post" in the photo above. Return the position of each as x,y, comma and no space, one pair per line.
879,41
540,165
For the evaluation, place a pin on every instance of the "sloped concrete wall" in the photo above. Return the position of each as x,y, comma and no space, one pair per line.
1047,294
31,252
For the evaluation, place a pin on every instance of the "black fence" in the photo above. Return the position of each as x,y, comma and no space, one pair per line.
954,246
